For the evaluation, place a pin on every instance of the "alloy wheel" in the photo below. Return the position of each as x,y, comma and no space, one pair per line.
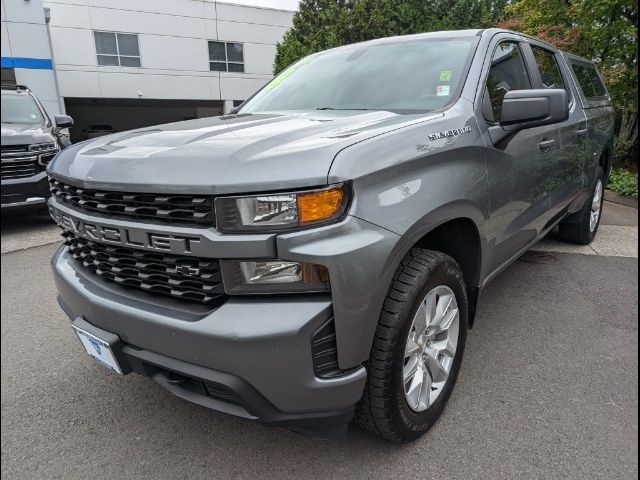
431,348
596,206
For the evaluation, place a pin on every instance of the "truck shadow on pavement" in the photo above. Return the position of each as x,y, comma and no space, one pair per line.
14,222
27,228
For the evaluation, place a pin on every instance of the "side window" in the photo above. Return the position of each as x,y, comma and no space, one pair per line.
508,72
589,81
548,66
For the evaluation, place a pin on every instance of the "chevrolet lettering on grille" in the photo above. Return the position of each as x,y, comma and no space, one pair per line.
123,236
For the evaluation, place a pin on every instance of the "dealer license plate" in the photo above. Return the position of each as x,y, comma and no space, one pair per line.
98,349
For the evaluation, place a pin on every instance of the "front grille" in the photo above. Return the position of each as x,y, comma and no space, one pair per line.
18,167
22,161
153,272
168,208
13,148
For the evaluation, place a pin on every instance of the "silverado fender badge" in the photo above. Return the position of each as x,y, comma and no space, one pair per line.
449,133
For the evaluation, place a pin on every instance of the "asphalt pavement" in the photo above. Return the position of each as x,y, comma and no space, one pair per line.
548,389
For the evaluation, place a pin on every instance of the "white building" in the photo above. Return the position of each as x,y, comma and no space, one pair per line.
26,51
123,64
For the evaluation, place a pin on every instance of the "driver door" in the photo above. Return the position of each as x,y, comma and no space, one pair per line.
517,168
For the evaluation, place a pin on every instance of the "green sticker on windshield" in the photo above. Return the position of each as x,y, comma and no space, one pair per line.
445,76
280,78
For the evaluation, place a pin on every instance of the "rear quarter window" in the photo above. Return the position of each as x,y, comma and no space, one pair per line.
589,81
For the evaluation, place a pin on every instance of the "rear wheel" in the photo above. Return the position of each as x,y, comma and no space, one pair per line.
417,349
582,227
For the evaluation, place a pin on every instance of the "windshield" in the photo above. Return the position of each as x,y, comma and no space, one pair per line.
411,76
20,108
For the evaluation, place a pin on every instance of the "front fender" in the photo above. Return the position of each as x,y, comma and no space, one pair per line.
407,183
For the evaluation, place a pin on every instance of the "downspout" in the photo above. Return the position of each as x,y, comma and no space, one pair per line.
47,19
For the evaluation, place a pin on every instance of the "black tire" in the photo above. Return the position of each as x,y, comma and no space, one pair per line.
383,409
576,228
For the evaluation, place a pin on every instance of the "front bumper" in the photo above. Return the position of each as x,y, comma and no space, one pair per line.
25,192
213,389
259,349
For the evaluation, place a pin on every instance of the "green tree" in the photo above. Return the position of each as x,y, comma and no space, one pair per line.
322,24
317,25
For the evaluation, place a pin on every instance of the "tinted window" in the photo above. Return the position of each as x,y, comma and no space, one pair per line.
508,72
418,75
589,81
548,67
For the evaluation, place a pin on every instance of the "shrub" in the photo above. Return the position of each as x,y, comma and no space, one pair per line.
624,182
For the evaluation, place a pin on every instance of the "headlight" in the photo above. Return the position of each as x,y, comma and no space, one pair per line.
273,276
283,211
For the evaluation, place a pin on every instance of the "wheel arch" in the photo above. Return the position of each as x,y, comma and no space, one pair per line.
460,239
459,230
606,162
462,219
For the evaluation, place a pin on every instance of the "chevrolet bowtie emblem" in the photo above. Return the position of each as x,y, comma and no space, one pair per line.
187,270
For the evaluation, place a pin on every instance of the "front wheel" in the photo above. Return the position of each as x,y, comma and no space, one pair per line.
417,349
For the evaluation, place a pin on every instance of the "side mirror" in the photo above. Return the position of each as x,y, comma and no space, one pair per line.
523,109
533,108
63,121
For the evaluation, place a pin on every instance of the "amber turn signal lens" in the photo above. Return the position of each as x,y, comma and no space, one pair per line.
316,206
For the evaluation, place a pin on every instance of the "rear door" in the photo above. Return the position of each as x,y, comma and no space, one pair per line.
598,110
564,163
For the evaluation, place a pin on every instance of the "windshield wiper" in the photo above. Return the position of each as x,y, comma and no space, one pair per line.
331,108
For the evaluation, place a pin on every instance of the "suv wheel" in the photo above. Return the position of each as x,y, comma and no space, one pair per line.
417,349
581,227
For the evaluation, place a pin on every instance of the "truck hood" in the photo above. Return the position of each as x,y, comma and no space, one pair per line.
25,134
220,155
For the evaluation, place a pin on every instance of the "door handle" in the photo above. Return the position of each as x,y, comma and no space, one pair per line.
582,132
546,144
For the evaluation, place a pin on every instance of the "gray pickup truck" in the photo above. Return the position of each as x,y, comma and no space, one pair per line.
316,256
30,140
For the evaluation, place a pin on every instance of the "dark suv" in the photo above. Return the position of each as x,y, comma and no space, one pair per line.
29,141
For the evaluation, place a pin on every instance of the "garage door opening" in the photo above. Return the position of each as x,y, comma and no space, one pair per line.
96,117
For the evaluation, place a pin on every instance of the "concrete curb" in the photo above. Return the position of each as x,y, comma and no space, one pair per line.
627,201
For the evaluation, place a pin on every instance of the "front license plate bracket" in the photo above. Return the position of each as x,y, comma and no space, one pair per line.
105,347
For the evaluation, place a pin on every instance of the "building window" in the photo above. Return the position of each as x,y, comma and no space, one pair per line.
117,49
226,57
